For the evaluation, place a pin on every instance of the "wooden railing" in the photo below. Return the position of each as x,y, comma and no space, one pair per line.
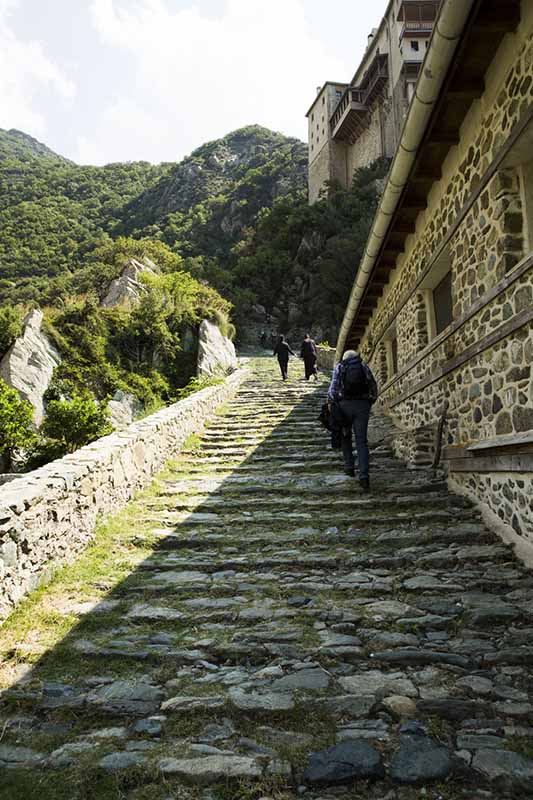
416,26
361,95
351,95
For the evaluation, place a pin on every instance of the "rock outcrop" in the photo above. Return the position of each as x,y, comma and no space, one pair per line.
126,290
216,353
29,364
123,409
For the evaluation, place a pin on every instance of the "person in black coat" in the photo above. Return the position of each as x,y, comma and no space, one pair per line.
308,353
282,350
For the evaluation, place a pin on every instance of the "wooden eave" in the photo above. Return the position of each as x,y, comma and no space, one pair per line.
489,22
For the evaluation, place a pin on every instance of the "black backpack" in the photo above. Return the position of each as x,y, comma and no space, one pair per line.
354,383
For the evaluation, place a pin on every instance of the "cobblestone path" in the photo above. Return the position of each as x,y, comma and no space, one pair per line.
279,634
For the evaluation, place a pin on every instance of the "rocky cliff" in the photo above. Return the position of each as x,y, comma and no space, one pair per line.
29,364
126,290
216,353
226,168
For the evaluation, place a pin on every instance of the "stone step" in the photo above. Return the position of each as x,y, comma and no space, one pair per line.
265,591
169,539
221,504
308,483
291,560
322,515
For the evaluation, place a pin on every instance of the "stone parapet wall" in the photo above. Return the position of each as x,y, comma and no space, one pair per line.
325,357
415,447
48,516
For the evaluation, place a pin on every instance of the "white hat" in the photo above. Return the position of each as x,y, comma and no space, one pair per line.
349,354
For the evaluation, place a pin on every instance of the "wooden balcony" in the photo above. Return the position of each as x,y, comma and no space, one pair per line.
376,77
416,28
351,114
348,118
418,10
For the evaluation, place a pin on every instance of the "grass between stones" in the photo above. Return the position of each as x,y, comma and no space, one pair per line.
86,782
36,631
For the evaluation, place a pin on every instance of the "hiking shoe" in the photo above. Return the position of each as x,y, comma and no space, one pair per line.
350,472
364,483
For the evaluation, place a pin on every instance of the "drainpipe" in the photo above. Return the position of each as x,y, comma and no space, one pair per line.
448,29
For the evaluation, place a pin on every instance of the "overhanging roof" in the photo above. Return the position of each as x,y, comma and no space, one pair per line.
488,22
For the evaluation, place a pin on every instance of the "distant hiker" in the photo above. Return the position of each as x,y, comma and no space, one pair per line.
263,338
282,350
354,389
308,353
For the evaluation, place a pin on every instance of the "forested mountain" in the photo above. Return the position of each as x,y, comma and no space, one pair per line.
17,144
234,212
53,214
226,234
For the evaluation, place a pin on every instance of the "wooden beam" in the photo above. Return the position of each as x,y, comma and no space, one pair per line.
421,180
520,320
466,89
415,204
504,463
507,23
404,227
439,136
430,173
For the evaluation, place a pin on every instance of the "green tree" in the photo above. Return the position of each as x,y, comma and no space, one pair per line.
76,422
16,425
11,325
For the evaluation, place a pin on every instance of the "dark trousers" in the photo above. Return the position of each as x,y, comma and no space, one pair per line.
310,367
283,365
357,414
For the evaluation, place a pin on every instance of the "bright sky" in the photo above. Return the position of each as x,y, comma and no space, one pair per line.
118,80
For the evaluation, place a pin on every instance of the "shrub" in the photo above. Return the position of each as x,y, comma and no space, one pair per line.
16,425
76,422
11,326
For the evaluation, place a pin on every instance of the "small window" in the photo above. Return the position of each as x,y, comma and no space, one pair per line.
442,302
323,100
394,354
414,45
338,92
526,186
391,353
312,117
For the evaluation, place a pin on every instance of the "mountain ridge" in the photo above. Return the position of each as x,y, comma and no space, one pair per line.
23,145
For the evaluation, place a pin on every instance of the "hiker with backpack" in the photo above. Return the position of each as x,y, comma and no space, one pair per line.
354,389
282,350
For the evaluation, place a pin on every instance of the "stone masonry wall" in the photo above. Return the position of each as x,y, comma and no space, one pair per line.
48,516
325,357
491,392
369,144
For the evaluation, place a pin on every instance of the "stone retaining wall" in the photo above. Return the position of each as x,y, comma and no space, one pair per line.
325,357
48,516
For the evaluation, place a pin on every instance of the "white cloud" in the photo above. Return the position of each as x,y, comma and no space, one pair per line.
25,69
196,77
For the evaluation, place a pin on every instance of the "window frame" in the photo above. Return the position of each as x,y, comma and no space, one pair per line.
443,314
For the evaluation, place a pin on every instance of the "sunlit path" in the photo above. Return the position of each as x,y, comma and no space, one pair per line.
254,608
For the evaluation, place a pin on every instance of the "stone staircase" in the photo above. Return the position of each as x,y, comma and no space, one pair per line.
284,635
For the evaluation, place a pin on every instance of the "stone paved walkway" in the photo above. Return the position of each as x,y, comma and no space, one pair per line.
282,635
